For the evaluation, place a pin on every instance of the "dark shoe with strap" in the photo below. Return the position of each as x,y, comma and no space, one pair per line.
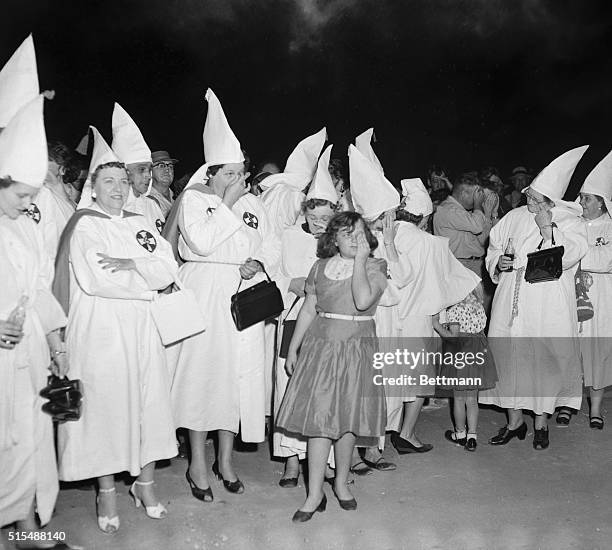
235,487
451,436
300,516
564,416
403,446
205,495
540,439
380,464
288,482
505,435
361,469
596,422
471,444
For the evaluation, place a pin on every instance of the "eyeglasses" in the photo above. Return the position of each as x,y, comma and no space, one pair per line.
533,199
165,165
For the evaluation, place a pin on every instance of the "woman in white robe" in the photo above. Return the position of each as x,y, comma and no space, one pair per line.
595,334
218,382
118,262
28,476
533,327
298,255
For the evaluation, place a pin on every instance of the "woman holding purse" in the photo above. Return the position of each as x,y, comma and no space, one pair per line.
115,262
533,324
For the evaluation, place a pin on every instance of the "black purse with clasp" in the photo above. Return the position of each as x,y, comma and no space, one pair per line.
545,265
257,303
65,398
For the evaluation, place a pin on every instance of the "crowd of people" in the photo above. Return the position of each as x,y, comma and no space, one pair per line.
89,238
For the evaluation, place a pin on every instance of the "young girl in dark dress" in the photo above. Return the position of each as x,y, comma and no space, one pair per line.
331,396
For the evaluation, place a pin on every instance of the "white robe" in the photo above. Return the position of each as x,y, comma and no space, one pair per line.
298,254
115,349
27,455
429,279
535,372
596,333
147,207
218,382
52,213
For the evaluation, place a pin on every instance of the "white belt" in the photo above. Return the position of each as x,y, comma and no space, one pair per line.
346,317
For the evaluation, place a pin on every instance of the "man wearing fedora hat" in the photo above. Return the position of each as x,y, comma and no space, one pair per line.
163,176
520,179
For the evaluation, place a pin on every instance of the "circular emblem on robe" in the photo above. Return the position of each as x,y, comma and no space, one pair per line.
33,212
146,240
210,210
601,241
159,224
250,219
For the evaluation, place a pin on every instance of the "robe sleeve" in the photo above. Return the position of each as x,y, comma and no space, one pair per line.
48,309
598,259
402,273
377,273
85,245
204,233
495,250
571,234
269,252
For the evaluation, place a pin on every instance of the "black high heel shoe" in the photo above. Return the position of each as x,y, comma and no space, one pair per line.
540,439
301,516
347,504
205,495
235,487
504,435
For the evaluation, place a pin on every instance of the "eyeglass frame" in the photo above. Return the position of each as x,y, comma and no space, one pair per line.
164,164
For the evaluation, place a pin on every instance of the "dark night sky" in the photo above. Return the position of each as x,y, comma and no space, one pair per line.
464,83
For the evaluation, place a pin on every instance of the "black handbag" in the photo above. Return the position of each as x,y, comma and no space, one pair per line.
65,398
256,304
545,265
288,330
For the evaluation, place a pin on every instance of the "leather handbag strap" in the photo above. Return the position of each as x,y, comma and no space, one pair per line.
552,231
297,299
264,270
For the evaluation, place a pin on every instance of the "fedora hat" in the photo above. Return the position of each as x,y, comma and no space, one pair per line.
162,156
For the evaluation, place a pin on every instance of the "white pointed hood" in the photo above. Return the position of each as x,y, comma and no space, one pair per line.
101,154
81,148
372,193
220,144
23,145
416,198
18,81
599,181
363,142
128,143
301,164
554,179
322,186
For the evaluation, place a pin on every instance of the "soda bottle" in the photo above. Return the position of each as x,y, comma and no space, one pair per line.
509,252
18,315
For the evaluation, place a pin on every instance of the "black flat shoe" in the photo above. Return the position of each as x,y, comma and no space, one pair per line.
348,504
360,469
596,422
235,487
205,495
301,516
504,435
380,464
451,436
403,446
471,444
540,439
288,482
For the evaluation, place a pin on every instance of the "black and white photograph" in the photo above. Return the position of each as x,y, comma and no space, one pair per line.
306,274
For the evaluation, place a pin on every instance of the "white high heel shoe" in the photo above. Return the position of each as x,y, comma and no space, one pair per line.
155,512
106,524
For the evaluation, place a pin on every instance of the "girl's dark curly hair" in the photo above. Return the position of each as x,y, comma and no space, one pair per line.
311,204
326,246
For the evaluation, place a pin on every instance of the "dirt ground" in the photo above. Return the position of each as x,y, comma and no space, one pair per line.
496,498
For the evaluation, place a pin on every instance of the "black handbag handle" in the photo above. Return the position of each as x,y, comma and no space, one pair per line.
297,299
264,270
552,230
